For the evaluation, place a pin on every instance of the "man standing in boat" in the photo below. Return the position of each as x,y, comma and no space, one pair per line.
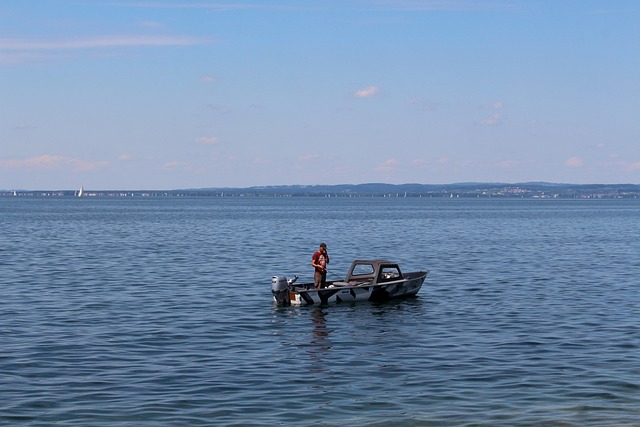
319,260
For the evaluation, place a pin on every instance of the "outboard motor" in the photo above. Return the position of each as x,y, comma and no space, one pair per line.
280,290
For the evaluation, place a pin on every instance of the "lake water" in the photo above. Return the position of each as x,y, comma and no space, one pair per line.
158,312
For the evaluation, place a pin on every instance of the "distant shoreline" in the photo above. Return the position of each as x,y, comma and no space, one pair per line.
475,190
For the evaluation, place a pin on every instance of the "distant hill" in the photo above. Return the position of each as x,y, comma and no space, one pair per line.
463,189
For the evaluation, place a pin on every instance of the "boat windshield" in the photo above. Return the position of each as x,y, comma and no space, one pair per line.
362,270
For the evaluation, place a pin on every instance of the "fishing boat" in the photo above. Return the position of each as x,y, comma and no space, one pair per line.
367,280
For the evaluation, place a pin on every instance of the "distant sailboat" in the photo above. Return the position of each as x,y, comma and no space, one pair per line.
81,192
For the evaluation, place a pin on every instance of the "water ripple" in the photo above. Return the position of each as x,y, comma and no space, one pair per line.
158,312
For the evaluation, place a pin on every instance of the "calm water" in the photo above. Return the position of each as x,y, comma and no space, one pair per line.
158,312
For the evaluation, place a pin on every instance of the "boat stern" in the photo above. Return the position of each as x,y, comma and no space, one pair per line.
280,290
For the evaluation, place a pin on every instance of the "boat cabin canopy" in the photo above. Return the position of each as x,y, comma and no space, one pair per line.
376,270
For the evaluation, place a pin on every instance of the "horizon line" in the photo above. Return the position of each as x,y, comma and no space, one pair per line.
271,186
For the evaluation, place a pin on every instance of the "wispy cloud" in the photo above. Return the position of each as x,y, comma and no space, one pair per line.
23,126
16,57
625,165
99,42
496,117
213,6
367,92
260,161
422,104
14,51
153,25
53,162
509,164
218,108
399,5
573,162
207,140
308,157
388,165
493,120
207,79
441,5
177,165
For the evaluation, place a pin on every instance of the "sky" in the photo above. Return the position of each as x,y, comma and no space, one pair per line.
177,94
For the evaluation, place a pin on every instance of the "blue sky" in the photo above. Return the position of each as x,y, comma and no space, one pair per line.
169,94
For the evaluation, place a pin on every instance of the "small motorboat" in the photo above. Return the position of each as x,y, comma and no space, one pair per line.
367,280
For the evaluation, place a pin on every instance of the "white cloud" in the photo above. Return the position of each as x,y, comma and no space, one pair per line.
152,24
24,126
260,161
441,5
367,92
422,104
573,162
215,7
175,164
208,140
627,166
16,58
509,164
496,117
25,51
308,157
492,120
218,108
51,162
99,42
388,165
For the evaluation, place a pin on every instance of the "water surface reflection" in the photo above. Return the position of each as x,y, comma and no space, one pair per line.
320,343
